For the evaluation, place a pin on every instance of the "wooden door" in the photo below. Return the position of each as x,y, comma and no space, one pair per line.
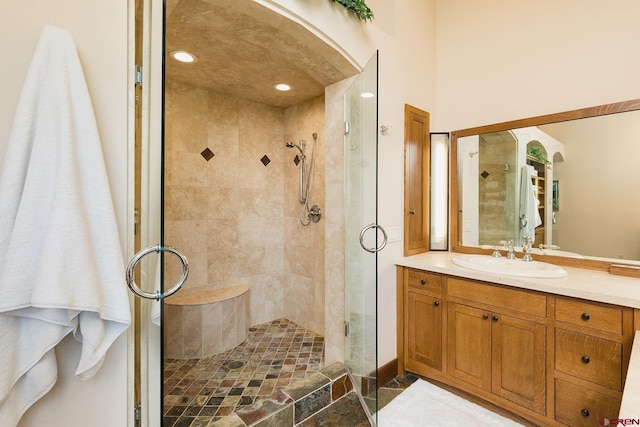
518,361
424,332
469,345
416,180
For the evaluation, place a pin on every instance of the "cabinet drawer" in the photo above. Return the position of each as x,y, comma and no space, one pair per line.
589,315
593,359
578,406
421,280
513,299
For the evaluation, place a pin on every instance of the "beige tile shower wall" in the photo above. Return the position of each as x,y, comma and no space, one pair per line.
304,247
226,214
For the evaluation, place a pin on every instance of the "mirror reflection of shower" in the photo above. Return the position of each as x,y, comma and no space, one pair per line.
307,214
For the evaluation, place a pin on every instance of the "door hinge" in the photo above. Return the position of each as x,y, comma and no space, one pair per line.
346,328
347,128
138,75
137,415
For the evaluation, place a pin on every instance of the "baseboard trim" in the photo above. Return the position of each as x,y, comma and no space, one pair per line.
387,372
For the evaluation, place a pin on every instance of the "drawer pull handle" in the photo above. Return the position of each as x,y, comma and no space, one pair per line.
585,413
485,316
494,318
423,281
585,359
585,316
436,303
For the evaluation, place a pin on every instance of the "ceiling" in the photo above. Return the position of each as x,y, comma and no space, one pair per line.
244,49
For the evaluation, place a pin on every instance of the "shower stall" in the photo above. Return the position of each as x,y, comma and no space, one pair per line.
242,201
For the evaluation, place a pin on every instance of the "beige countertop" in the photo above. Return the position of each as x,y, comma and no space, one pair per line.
580,283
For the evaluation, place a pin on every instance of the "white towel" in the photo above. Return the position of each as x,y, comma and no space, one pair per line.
529,214
61,265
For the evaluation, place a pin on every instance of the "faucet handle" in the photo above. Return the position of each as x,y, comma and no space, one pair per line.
526,248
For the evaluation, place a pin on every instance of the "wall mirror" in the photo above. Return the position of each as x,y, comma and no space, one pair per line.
568,180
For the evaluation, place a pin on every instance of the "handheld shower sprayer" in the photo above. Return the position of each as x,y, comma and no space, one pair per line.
292,145
306,171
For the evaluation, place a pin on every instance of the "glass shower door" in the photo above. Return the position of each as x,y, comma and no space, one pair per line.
363,237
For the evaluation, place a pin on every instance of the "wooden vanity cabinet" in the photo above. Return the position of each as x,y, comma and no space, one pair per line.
593,345
423,317
496,345
552,360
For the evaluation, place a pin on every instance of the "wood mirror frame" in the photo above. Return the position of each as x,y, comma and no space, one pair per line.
623,267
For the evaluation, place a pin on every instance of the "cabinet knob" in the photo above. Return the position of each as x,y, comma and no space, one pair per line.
494,318
485,316
423,281
436,303
412,212
585,359
585,413
585,316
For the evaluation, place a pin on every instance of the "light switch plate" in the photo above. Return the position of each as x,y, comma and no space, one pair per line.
394,234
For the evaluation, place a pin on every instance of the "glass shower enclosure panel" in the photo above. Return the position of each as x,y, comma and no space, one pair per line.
362,237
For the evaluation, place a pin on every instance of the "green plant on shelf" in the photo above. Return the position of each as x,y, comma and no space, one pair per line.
358,7
537,154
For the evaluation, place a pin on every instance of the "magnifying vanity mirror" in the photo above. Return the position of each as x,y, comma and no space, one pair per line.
569,181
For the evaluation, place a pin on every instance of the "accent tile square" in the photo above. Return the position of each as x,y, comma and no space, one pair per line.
207,154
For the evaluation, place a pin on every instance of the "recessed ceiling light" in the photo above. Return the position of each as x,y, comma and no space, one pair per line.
283,87
182,56
367,95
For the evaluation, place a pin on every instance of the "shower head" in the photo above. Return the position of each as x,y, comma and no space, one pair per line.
292,145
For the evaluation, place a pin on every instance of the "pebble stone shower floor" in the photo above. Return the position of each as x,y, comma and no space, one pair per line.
200,391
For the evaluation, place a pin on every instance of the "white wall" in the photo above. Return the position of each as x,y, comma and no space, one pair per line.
100,31
502,60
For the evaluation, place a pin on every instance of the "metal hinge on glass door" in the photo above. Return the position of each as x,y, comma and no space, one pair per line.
346,328
138,75
137,418
347,128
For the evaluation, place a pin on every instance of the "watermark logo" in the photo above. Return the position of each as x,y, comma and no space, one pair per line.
619,422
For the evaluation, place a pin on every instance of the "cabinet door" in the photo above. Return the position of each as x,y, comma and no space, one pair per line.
518,361
416,180
424,332
469,345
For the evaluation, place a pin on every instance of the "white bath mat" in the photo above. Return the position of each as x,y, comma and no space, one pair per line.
423,404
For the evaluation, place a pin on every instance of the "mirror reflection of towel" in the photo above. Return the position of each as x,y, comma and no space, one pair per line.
529,214
61,263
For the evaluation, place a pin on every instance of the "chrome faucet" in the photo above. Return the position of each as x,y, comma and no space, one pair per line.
526,248
511,252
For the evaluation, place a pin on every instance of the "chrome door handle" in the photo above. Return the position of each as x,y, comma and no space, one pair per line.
384,238
157,295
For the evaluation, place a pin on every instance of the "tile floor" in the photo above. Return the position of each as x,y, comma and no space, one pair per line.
201,391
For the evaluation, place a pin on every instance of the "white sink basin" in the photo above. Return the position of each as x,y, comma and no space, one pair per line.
511,267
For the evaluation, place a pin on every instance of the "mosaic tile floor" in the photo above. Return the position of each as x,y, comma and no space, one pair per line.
201,391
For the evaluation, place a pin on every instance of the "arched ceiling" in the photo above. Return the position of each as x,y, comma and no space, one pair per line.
244,49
